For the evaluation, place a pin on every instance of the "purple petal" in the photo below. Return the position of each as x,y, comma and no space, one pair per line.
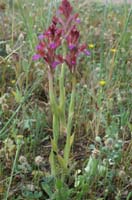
86,52
55,63
52,45
71,46
48,32
41,36
78,20
73,63
38,47
36,57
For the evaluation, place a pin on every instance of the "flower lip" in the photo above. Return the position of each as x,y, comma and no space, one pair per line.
41,37
36,57
55,63
86,52
73,62
78,20
52,45
38,47
71,46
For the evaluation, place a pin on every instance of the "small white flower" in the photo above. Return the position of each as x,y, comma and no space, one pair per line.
22,159
38,160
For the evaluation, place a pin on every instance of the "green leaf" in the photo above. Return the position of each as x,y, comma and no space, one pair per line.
54,146
52,163
32,195
18,96
129,196
71,139
47,189
61,162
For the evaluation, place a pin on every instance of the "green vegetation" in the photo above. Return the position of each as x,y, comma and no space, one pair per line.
100,160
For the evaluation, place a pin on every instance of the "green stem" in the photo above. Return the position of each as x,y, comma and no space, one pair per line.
52,161
62,101
55,128
55,113
70,119
52,157
53,102
12,172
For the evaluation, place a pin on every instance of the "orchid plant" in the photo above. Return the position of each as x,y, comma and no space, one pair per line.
61,36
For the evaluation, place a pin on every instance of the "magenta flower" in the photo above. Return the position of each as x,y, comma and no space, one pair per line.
65,9
36,57
73,38
75,49
63,27
50,40
73,55
66,18
41,37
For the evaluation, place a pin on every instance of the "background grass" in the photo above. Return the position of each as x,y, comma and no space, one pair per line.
101,158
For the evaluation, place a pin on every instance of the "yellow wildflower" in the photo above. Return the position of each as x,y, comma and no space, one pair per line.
14,93
91,46
13,81
102,83
113,50
19,136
